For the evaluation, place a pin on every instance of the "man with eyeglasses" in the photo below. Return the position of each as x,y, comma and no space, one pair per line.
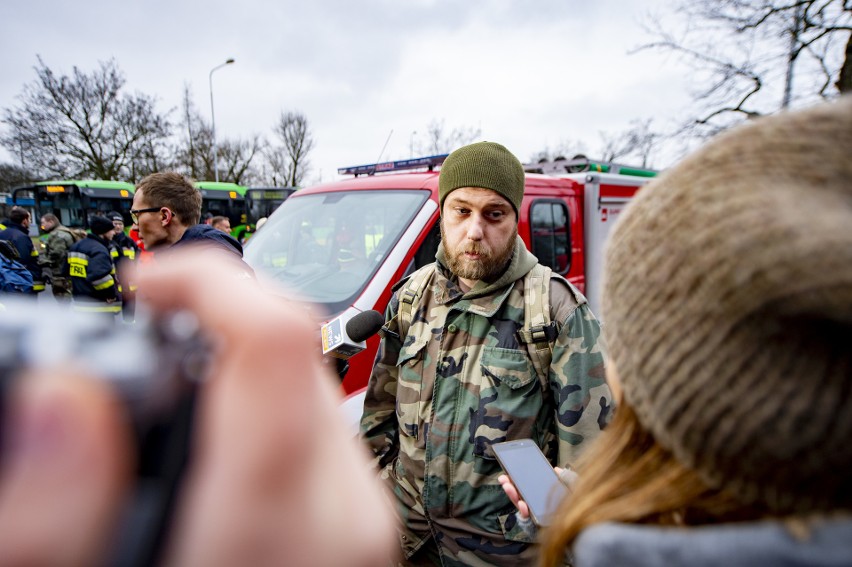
167,209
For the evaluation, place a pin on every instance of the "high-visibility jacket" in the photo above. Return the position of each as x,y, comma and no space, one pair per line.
17,235
92,274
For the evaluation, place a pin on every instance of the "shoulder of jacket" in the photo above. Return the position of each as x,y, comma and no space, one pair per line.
565,298
414,276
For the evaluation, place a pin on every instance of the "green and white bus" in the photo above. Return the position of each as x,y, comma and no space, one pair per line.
262,201
227,200
73,201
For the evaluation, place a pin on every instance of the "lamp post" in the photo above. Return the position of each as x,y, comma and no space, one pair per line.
213,119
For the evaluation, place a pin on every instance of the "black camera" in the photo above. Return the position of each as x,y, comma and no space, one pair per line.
155,366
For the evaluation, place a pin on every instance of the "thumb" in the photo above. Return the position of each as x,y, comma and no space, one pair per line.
65,467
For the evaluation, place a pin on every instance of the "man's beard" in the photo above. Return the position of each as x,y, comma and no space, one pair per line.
488,267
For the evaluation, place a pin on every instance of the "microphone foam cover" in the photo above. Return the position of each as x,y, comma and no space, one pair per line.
364,325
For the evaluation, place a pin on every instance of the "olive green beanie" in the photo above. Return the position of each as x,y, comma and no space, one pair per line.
727,309
483,164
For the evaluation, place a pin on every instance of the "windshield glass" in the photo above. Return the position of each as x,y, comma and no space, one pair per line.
326,247
263,202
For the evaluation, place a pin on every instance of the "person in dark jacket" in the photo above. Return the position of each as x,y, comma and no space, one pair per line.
167,209
17,232
92,272
125,253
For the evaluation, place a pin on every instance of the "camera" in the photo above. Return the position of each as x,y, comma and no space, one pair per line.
155,365
151,363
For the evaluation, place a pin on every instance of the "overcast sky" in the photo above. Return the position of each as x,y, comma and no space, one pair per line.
531,75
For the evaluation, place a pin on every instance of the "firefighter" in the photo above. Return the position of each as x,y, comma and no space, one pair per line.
92,272
125,253
17,232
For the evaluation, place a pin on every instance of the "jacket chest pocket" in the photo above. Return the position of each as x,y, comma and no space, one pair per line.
510,400
409,388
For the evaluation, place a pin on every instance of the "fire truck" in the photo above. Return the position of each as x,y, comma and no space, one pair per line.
341,246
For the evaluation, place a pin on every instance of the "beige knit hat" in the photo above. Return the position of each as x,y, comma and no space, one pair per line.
727,309
483,164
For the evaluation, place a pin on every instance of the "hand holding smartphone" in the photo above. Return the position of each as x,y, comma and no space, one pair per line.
531,473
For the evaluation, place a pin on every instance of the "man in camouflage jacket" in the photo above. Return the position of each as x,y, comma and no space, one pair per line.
60,238
457,379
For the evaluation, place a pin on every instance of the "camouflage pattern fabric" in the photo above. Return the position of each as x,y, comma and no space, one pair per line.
458,382
56,252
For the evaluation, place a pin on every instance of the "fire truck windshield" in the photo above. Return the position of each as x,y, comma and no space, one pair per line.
326,247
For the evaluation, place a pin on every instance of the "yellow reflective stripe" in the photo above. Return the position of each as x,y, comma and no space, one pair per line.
103,283
113,253
106,308
77,265
38,287
34,253
129,253
134,287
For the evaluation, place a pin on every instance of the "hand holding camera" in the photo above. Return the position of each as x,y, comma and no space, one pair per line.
266,437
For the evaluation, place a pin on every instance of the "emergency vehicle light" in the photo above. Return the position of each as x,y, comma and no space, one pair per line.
399,165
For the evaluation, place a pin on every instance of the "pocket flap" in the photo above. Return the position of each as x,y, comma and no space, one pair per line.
411,352
509,366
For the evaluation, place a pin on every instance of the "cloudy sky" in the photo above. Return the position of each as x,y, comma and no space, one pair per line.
531,75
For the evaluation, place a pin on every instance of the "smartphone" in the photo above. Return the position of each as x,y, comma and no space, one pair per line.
533,475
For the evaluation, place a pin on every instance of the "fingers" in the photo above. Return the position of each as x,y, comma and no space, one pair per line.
65,471
276,474
514,496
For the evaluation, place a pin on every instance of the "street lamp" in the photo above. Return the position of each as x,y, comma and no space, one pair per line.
213,118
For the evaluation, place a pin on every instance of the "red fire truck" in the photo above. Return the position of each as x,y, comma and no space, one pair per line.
341,246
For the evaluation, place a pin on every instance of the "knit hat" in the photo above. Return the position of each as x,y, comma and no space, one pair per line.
727,309
115,216
100,225
483,164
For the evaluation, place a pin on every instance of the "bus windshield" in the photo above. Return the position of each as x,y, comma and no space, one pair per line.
224,199
74,201
262,202
326,247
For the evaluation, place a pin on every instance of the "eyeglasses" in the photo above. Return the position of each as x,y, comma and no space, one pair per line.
134,214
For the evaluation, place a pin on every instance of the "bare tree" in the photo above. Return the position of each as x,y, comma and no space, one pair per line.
82,125
193,154
289,161
639,141
436,140
752,57
237,159
12,176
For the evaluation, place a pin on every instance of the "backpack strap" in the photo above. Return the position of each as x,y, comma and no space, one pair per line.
539,332
409,298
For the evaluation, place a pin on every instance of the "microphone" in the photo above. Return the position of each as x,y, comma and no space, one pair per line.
346,335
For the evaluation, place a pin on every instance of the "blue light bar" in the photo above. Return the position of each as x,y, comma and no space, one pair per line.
399,165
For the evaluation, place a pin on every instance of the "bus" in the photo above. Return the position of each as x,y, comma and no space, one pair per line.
262,201
227,200
73,201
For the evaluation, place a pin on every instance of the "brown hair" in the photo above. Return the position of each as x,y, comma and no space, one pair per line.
18,215
175,191
627,476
